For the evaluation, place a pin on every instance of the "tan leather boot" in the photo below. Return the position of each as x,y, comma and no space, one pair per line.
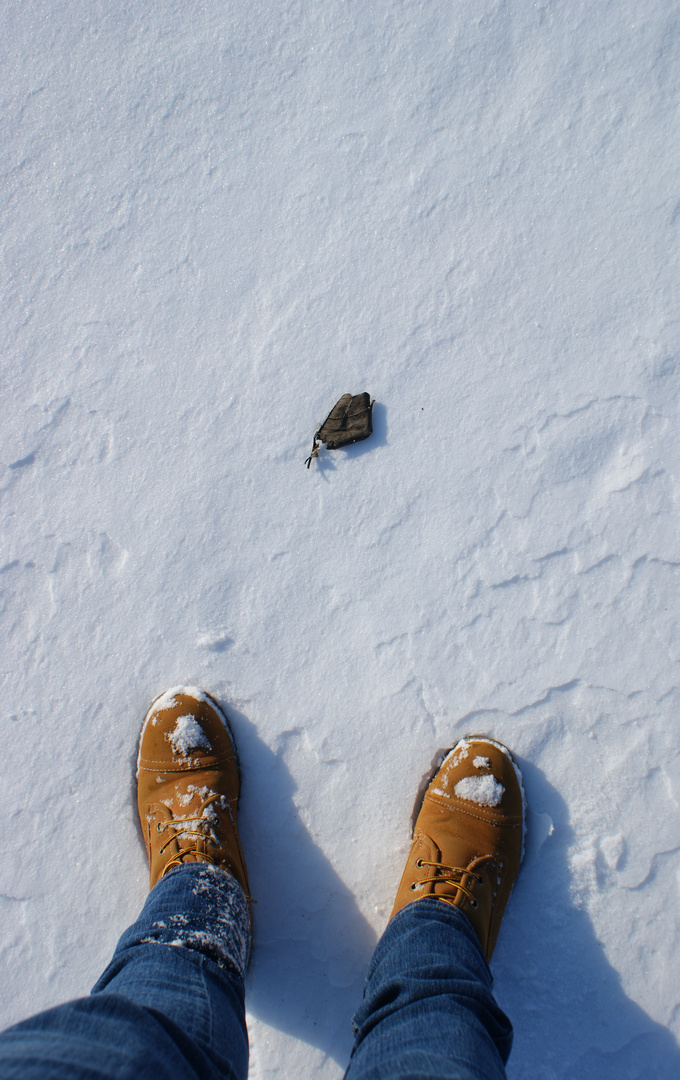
468,839
188,785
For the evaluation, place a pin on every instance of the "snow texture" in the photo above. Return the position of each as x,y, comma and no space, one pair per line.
216,219
483,790
187,735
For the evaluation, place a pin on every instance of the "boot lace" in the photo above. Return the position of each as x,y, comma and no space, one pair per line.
202,830
451,876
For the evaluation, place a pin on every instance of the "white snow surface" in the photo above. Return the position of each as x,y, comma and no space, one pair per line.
216,219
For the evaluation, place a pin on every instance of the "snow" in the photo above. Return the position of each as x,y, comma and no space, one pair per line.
187,735
483,790
193,791
215,220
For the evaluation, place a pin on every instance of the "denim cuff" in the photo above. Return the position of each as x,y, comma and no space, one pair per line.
196,906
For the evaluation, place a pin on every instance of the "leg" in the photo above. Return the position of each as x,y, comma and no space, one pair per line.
170,1003
428,1010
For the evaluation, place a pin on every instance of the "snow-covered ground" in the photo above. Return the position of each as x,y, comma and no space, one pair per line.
216,218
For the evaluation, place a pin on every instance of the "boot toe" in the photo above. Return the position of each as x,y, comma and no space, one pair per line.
481,776
184,729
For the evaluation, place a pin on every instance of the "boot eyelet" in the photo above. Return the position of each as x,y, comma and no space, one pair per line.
474,904
413,886
419,863
480,879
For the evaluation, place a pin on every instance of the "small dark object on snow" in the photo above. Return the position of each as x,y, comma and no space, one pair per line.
348,422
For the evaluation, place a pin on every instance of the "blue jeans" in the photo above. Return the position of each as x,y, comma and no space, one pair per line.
171,1002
